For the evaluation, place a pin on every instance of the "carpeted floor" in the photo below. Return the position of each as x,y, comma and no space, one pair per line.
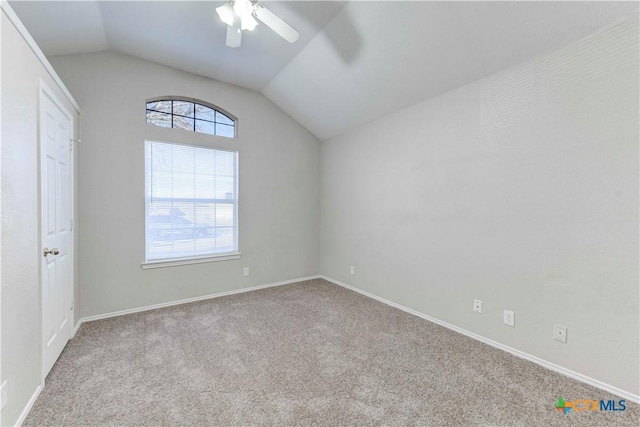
301,354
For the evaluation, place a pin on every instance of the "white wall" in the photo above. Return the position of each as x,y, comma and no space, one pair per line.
520,190
21,318
279,215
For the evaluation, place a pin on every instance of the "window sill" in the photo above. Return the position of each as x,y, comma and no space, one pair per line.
187,261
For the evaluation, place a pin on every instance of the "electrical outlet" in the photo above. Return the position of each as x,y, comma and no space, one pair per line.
352,270
3,395
509,318
560,333
245,271
477,306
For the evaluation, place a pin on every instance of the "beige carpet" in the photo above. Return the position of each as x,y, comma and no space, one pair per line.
310,353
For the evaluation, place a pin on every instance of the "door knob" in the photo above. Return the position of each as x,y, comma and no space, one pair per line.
48,251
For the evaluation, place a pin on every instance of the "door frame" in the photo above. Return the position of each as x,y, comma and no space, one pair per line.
45,90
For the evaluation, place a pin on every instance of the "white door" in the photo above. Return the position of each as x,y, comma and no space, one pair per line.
56,186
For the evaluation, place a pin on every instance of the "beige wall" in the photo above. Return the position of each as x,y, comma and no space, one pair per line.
279,215
21,319
520,190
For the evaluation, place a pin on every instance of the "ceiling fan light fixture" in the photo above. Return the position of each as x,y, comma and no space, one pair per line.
242,15
248,22
225,12
242,7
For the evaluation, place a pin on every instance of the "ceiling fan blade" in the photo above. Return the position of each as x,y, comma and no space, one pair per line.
234,34
272,21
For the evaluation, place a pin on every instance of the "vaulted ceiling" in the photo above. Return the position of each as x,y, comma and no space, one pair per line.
187,35
354,62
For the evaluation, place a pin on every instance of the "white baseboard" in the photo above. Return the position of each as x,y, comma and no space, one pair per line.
188,300
27,408
545,364
75,328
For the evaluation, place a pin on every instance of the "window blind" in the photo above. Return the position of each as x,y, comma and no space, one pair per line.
191,201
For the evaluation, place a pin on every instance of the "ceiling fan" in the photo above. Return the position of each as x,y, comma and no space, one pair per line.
241,15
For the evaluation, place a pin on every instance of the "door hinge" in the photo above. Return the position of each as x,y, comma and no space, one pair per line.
72,303
71,141
71,224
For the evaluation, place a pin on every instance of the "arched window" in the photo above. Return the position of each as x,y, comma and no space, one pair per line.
189,114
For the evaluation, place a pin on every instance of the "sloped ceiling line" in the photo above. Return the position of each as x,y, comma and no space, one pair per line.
355,61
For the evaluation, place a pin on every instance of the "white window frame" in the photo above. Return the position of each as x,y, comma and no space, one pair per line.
223,256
